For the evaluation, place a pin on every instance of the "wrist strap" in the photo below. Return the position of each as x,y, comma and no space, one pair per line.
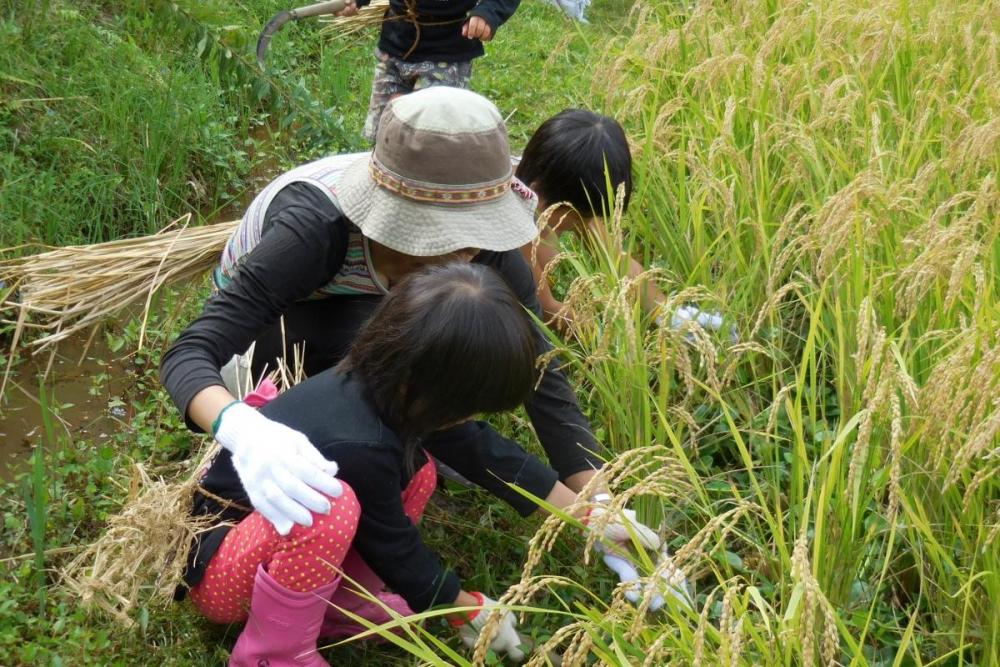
459,622
218,419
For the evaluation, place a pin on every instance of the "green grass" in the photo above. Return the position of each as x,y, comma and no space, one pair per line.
825,173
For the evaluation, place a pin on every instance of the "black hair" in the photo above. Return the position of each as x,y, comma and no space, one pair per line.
565,161
447,343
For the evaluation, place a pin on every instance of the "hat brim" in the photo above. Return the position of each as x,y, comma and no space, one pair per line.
422,229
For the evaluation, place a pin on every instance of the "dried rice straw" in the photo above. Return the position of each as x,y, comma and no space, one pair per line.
144,552
66,290
141,557
369,16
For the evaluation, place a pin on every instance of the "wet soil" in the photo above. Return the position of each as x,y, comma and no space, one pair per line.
85,389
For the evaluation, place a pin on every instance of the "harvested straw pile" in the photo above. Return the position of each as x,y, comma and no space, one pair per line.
369,16
141,557
144,551
66,290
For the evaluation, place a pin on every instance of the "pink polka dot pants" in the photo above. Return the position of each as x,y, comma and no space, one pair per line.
304,560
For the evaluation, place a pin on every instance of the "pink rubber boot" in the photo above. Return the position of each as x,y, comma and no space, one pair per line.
283,626
337,624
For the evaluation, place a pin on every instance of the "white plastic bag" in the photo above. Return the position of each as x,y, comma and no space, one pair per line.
573,8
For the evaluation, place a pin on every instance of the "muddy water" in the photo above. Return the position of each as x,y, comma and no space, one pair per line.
86,387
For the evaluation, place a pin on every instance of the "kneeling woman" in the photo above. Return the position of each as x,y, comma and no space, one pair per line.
445,345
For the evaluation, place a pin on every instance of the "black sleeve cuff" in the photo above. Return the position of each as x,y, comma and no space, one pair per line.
444,591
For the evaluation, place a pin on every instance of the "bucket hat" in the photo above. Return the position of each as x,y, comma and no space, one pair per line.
439,179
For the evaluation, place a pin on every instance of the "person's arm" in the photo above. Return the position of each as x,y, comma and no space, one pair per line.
386,539
480,454
303,245
652,298
494,13
553,408
539,255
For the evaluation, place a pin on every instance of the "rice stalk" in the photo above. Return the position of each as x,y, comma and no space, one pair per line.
66,290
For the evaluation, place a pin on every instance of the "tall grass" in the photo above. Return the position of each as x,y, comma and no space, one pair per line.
826,174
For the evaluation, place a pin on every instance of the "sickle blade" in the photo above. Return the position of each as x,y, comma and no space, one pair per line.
273,26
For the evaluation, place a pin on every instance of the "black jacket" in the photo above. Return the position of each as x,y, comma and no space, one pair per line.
330,409
440,28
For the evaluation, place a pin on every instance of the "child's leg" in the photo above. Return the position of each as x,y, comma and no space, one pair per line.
387,84
303,561
427,74
357,574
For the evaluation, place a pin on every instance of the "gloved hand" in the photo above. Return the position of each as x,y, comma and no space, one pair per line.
506,641
711,320
621,529
281,471
671,581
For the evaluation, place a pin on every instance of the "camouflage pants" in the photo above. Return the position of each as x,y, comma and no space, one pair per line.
397,77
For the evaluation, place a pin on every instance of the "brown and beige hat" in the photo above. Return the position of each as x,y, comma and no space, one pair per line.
439,179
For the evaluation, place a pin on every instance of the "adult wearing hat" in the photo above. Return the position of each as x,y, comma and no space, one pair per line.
314,254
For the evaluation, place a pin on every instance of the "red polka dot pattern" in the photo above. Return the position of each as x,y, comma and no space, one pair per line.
304,560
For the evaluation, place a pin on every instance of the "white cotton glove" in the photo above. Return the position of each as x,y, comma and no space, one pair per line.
281,471
671,581
506,640
711,320
621,529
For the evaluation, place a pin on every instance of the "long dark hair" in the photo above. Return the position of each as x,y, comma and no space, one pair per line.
565,161
447,343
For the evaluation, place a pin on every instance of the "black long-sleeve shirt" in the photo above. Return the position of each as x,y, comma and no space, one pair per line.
303,243
330,409
440,37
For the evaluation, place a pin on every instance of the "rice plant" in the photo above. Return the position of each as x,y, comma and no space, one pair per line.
825,173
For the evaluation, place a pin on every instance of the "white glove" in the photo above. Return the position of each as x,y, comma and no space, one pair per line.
711,320
281,471
621,531
671,581
506,641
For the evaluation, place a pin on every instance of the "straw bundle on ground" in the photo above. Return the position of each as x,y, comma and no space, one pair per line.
142,555
65,290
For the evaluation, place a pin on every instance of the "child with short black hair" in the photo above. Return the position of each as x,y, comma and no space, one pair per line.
576,158
427,43
575,161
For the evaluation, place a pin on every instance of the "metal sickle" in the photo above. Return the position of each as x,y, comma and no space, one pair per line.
281,18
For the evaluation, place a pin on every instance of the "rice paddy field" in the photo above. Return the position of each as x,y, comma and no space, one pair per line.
824,173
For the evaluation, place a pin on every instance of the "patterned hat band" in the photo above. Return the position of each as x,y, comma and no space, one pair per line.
442,194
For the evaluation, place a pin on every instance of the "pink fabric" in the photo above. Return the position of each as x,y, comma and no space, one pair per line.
265,392
306,559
